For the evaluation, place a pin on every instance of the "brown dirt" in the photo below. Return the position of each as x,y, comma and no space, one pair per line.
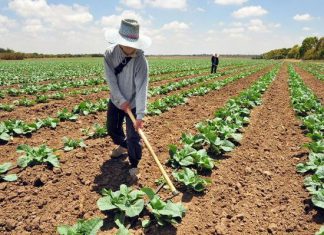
256,188
316,85
43,199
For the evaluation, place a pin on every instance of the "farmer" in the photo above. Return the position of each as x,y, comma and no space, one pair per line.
214,61
126,70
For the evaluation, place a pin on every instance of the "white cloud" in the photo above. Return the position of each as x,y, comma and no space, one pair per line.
175,26
201,9
233,30
306,29
137,4
249,11
230,2
6,24
169,4
303,17
257,25
58,16
33,26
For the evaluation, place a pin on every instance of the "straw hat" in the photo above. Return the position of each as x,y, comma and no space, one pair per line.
128,35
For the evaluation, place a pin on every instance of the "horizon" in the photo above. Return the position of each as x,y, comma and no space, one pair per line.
183,27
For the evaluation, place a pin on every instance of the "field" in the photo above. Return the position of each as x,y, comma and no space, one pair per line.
254,130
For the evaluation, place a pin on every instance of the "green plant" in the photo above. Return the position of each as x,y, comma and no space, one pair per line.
3,169
164,212
83,227
97,131
125,202
70,144
65,115
7,107
188,156
190,179
37,155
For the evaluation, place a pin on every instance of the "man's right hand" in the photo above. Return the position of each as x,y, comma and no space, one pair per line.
125,106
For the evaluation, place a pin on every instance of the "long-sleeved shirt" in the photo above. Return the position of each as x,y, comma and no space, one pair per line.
214,60
129,85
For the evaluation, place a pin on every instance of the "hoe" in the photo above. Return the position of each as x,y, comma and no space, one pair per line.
148,145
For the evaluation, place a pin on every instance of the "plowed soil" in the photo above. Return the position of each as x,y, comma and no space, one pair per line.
255,189
316,85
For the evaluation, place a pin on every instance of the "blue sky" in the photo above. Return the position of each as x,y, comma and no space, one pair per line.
175,26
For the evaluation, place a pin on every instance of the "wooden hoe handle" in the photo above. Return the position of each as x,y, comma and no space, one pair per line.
165,175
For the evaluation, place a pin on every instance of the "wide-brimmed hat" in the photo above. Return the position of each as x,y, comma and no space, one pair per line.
128,35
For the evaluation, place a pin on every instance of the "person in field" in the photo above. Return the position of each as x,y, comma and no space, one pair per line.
126,71
214,61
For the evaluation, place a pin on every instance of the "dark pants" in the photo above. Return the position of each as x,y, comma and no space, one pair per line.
115,119
213,68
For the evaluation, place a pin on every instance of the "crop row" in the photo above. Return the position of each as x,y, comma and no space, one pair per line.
11,128
309,109
56,96
166,103
316,69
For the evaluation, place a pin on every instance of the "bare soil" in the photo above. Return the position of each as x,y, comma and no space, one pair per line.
255,189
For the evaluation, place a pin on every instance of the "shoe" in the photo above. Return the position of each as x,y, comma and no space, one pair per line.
134,174
118,152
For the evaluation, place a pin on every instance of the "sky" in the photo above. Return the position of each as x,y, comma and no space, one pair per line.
175,26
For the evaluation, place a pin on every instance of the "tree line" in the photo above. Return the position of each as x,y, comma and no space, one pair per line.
311,48
9,54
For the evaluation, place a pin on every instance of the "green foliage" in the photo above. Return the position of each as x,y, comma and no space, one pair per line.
97,131
188,156
37,155
191,179
4,168
70,144
65,115
164,212
83,227
125,201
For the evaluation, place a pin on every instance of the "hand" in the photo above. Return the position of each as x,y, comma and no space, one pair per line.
139,124
125,106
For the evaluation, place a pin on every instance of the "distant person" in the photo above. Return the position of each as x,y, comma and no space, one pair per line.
214,61
126,70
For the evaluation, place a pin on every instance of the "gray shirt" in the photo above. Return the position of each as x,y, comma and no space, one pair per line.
131,84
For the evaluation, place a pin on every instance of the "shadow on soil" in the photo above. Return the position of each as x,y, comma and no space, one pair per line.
114,172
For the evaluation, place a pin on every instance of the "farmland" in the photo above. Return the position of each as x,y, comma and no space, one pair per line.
243,146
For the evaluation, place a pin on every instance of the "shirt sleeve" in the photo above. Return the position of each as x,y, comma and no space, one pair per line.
116,96
141,86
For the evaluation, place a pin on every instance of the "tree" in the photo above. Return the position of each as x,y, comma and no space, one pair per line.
294,52
308,43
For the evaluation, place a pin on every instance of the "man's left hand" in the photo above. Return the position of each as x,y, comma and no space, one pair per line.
139,124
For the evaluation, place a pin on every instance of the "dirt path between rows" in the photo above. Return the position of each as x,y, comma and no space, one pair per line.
44,199
316,85
256,189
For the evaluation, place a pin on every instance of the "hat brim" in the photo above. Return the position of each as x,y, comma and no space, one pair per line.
143,41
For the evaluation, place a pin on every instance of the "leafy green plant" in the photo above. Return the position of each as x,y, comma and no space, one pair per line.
190,179
97,131
24,102
37,155
70,144
3,169
164,212
47,122
7,107
188,156
42,99
83,227
65,115
125,201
